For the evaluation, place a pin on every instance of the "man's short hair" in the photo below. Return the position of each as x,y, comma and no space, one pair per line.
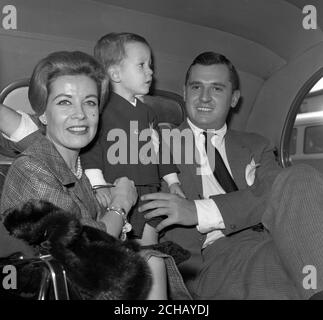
210,58
110,49
64,63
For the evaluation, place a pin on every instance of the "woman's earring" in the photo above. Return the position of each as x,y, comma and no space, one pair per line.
43,119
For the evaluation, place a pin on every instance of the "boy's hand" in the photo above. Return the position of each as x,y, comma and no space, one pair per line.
176,189
103,195
124,194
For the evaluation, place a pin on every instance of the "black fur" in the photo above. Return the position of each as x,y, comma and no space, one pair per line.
97,264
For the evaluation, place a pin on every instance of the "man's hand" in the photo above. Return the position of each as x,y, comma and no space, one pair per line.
178,210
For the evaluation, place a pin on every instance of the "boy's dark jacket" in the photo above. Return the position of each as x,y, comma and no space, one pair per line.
117,115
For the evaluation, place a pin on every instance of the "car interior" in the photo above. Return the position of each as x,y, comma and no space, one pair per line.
277,49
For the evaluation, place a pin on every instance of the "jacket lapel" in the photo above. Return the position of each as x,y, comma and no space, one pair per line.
47,153
238,157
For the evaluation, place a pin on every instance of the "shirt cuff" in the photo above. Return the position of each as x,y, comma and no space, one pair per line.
95,176
209,216
171,178
26,127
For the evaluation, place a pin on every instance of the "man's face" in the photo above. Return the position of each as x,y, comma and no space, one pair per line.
208,96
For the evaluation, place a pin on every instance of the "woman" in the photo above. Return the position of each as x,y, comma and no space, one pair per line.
66,90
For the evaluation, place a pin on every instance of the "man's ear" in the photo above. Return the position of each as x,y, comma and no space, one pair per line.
43,119
113,72
235,98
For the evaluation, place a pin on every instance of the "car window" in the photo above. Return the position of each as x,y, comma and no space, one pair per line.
302,140
313,140
292,145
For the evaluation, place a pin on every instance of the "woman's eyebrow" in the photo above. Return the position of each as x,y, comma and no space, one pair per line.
62,95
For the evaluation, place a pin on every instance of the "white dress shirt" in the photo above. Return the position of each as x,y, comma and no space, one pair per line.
210,220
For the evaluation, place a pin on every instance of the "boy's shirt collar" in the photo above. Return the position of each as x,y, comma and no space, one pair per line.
134,103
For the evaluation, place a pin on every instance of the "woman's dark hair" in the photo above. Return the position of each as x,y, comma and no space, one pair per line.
63,63
210,58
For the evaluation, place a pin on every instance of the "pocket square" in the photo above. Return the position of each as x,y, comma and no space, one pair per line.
251,172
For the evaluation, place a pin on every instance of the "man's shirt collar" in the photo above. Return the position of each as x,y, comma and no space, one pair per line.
197,131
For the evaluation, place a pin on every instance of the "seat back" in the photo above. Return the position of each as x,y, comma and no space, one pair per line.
168,106
15,95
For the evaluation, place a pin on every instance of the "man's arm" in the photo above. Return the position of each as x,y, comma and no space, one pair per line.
19,130
239,209
9,120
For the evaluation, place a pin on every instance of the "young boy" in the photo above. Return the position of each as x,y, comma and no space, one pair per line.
126,58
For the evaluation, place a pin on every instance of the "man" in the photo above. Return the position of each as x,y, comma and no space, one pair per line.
233,256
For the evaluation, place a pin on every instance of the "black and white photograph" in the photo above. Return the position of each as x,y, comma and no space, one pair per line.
161,155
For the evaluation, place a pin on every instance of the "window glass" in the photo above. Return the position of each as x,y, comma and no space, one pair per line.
292,145
313,140
302,140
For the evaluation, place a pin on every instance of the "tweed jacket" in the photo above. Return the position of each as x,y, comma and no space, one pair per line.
41,173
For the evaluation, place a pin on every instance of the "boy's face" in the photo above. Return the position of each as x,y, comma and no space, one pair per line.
135,74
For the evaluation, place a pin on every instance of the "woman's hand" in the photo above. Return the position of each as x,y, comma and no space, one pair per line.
124,194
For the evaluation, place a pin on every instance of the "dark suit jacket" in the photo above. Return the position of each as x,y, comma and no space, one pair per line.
239,209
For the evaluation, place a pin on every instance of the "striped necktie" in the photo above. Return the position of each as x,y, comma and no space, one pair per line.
221,173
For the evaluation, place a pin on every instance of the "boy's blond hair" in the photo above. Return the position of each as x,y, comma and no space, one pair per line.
110,49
